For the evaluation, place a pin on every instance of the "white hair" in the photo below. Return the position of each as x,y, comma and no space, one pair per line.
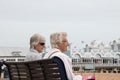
35,39
56,38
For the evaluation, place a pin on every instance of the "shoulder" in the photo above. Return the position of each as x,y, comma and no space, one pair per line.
29,54
62,56
33,56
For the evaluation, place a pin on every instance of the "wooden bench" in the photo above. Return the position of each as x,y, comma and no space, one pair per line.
47,69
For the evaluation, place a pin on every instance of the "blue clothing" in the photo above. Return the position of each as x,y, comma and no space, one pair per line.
1,64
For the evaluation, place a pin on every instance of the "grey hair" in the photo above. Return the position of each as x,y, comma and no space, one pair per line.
56,38
35,39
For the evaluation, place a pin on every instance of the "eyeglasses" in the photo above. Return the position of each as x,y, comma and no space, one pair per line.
42,44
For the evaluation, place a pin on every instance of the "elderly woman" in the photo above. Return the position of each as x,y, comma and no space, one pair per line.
59,44
37,44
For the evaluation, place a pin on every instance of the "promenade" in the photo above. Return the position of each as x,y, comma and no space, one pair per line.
99,76
4,79
103,76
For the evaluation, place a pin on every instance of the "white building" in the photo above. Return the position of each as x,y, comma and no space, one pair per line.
12,54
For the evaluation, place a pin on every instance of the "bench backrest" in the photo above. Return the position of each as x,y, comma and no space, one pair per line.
47,69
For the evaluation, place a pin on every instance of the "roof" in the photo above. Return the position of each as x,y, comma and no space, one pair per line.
13,51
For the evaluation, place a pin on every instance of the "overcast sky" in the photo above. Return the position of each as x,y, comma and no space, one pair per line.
83,20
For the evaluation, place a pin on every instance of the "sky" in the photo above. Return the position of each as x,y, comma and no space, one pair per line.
83,20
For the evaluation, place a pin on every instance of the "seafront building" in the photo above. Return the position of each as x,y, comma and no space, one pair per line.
12,54
99,57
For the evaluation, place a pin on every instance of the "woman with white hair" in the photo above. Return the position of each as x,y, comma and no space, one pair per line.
59,44
37,44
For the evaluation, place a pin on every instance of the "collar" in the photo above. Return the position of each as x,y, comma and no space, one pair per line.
33,50
55,49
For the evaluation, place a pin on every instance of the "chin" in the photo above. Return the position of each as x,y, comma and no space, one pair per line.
39,51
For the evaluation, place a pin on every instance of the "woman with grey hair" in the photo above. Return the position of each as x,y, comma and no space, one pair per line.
37,44
59,44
